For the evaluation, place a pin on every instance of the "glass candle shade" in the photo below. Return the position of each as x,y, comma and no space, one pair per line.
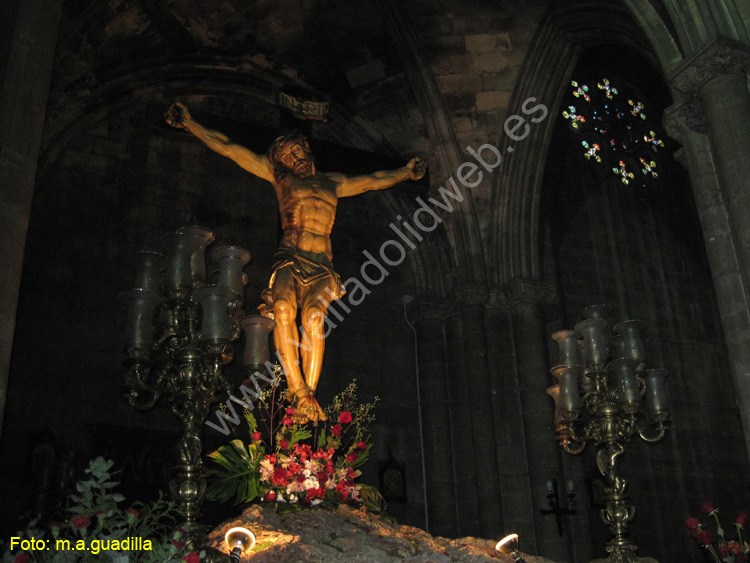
628,389
149,266
617,346
600,312
595,341
231,260
216,324
657,400
554,392
567,342
632,342
203,238
180,248
569,397
257,330
139,327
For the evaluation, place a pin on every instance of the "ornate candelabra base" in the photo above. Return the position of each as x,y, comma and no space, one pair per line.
627,554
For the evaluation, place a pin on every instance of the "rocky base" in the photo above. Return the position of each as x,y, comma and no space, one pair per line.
346,535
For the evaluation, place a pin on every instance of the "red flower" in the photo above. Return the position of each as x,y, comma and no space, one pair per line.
705,537
284,444
22,557
362,445
176,543
256,436
740,558
352,457
336,430
132,512
692,524
270,496
345,417
286,420
192,557
290,411
707,507
741,519
279,477
81,522
734,548
723,551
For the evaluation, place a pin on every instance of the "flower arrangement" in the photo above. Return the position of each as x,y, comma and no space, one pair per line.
303,464
720,550
96,528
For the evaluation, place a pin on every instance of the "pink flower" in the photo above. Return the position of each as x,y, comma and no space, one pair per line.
336,430
256,436
707,507
81,522
741,519
22,557
192,557
345,417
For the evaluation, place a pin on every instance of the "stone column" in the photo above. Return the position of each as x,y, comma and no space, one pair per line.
23,102
719,166
436,421
525,300
472,303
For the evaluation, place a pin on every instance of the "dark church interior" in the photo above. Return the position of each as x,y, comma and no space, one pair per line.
579,153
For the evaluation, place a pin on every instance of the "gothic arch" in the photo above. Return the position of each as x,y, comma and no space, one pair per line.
562,35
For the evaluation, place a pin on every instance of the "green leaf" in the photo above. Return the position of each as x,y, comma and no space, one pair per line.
251,422
236,477
322,438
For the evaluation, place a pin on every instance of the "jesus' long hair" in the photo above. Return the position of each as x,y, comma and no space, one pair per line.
284,140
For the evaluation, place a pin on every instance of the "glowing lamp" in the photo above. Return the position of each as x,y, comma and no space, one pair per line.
239,541
509,545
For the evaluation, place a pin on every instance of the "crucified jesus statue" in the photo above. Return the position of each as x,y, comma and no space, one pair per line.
303,277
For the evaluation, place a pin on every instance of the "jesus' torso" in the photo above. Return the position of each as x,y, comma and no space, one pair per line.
308,210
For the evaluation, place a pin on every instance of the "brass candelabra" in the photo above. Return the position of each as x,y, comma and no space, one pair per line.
179,338
603,388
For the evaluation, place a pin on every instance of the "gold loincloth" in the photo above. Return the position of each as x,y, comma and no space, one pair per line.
305,271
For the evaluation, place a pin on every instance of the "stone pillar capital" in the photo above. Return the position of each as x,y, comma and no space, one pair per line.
519,291
683,117
719,57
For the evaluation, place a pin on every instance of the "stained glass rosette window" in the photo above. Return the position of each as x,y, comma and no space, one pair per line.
615,130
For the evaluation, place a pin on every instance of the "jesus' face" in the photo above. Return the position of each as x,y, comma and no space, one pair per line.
297,159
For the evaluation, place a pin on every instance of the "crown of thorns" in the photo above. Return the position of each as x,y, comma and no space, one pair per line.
285,140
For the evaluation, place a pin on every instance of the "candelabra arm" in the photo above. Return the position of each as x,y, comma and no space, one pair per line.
660,429
135,394
574,451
